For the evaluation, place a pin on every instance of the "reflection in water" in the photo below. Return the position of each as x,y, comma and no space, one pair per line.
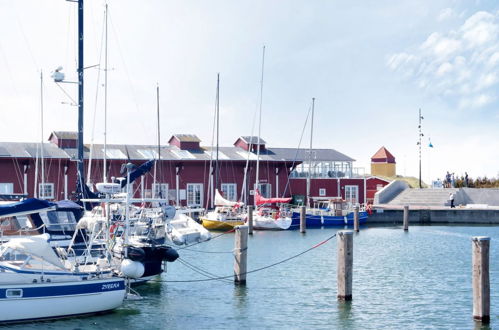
240,296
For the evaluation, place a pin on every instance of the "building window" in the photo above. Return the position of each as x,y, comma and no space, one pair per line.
265,189
160,190
194,194
229,191
6,188
352,194
46,190
322,192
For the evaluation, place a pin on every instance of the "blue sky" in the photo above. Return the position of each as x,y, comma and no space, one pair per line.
370,65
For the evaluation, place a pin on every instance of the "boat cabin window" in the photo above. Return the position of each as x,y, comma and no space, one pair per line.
59,220
18,222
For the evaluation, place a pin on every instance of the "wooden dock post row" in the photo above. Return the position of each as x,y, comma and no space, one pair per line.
406,217
303,219
481,282
356,219
240,254
345,264
250,219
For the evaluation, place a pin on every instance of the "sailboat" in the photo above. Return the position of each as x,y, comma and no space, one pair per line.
227,214
325,211
271,213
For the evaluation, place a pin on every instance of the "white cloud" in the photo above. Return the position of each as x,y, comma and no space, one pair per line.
460,64
446,14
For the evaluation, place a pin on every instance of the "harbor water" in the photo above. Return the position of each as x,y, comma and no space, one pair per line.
419,279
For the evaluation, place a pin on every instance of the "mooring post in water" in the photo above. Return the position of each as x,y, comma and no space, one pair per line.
240,254
406,217
481,283
250,219
345,264
356,219
303,219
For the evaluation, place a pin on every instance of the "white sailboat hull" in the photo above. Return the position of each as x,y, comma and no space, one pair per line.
268,223
25,302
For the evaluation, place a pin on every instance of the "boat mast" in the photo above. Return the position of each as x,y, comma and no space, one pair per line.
257,179
104,160
80,164
157,164
310,154
217,111
41,144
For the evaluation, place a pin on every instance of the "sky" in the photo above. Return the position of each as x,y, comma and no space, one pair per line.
370,65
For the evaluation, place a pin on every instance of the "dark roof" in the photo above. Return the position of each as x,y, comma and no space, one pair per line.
30,150
168,152
304,154
187,137
66,135
252,140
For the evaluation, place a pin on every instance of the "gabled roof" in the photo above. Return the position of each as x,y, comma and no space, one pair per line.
186,137
66,135
252,140
383,154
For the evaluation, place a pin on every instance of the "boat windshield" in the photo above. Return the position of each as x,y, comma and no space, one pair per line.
25,260
59,220
18,222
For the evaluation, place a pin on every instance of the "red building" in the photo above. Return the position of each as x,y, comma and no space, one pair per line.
186,171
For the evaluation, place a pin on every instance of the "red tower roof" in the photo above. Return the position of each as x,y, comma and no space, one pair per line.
383,156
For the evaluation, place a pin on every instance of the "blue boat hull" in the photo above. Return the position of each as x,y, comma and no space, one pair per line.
318,221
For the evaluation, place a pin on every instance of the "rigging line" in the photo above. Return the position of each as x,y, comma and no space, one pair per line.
134,93
13,85
28,45
211,239
297,149
200,270
261,268
89,169
209,252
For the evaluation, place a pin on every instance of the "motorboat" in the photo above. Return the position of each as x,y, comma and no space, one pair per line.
331,212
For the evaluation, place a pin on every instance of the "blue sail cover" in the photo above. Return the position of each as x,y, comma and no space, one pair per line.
27,205
139,171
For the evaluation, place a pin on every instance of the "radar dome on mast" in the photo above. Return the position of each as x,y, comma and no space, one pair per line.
57,75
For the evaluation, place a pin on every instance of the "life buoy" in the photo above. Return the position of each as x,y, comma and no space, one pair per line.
112,229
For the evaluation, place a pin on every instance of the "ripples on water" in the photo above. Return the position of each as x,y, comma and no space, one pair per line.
415,280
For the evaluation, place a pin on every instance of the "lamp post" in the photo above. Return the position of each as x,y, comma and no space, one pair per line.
419,144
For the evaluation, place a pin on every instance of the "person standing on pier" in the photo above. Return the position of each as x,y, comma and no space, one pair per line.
451,198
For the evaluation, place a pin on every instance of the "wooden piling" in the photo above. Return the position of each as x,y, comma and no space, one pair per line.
240,254
345,264
406,217
250,219
356,219
303,219
481,282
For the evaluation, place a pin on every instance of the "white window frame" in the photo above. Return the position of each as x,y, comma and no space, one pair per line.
229,191
352,194
194,194
267,192
42,190
156,189
6,188
322,192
